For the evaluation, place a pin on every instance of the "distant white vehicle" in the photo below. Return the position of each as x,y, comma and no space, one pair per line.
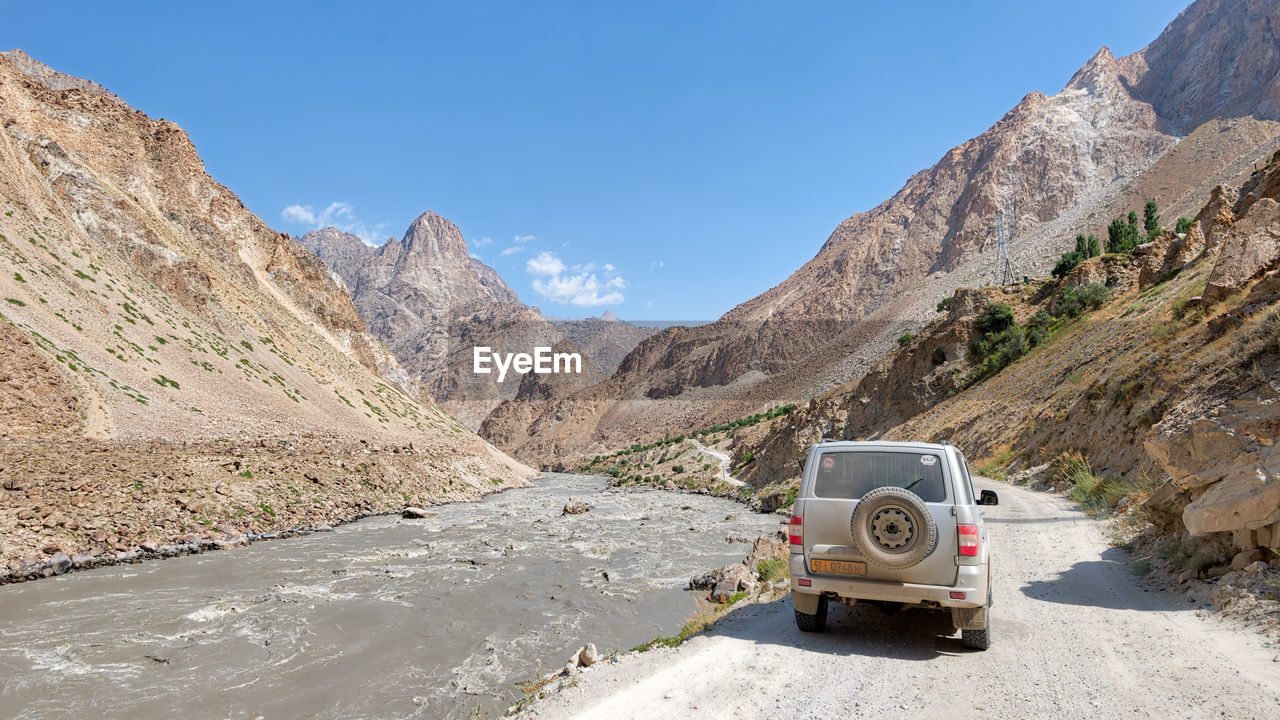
892,523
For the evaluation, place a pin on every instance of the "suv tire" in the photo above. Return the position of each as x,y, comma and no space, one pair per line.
893,528
815,622
979,639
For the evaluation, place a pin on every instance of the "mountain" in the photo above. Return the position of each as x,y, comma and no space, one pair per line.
1168,388
605,340
431,303
172,367
1196,108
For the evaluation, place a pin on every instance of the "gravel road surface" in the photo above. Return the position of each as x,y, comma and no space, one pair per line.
1075,635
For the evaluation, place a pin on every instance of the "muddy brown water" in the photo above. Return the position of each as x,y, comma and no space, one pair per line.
383,618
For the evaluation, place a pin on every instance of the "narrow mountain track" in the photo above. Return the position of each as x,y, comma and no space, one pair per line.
724,461
1075,635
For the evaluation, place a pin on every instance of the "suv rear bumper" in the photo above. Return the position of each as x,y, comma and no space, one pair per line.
970,580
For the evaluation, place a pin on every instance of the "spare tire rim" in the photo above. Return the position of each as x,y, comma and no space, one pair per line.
892,528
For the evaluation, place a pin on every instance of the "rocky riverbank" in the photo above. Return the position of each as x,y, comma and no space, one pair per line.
67,505
760,577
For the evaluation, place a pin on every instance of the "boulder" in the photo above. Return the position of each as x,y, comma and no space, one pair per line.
1248,498
1245,558
1194,455
708,580
60,563
1249,249
575,506
417,513
586,656
764,547
725,589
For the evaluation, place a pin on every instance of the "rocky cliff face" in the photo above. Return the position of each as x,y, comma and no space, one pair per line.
145,309
1054,165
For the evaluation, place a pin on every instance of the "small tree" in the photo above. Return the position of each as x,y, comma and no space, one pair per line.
945,303
1093,247
1184,225
1151,219
1122,234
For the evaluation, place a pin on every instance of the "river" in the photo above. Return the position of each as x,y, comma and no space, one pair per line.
382,618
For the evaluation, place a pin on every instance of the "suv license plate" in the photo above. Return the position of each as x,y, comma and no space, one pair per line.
839,567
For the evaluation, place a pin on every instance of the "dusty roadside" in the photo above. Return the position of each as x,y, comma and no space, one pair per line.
1077,635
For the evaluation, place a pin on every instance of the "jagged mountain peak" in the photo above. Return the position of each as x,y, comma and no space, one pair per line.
433,234
1098,69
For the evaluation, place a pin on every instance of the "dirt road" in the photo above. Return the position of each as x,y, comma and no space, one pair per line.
723,459
1075,635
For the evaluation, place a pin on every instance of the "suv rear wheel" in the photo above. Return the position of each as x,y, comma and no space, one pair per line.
979,639
815,622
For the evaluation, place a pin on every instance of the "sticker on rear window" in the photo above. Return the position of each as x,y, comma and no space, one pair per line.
828,462
928,459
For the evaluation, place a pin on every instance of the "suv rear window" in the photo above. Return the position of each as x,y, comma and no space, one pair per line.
850,475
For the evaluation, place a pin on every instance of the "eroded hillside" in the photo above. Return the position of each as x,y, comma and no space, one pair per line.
148,314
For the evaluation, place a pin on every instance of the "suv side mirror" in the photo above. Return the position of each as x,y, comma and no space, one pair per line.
988,497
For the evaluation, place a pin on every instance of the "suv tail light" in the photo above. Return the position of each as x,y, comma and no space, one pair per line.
795,532
968,539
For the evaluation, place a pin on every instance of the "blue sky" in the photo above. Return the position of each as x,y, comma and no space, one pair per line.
663,160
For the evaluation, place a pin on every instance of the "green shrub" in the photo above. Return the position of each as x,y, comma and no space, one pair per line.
994,318
1037,327
905,338
1073,301
1184,225
773,569
945,304
1067,263
15,301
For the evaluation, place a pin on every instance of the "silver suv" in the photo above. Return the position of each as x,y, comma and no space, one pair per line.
893,523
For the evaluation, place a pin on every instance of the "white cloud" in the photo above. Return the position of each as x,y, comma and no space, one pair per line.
656,265
484,242
474,255
301,214
341,215
582,287
545,264
520,242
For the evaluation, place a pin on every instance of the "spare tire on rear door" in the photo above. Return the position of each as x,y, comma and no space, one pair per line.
893,528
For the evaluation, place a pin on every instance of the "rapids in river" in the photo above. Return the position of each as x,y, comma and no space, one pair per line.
382,618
